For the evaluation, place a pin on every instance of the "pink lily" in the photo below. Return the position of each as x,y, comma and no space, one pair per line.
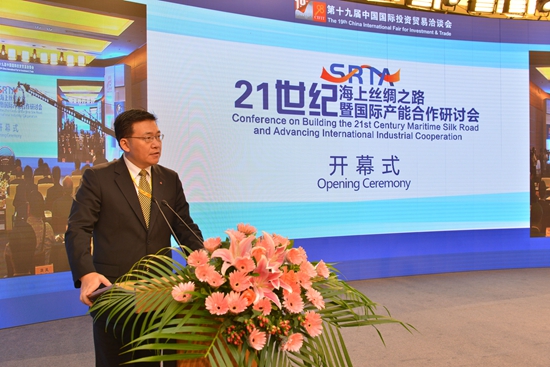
264,283
275,254
238,249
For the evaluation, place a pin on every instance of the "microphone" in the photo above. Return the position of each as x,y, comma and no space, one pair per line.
177,215
168,223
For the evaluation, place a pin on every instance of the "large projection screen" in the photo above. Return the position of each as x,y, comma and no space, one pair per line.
392,141
387,141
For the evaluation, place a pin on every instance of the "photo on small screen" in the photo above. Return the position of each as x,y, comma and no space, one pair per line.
58,103
539,139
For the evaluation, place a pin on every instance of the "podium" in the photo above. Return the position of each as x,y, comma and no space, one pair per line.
201,362
129,286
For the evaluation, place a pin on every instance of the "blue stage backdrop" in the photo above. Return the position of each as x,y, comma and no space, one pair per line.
390,142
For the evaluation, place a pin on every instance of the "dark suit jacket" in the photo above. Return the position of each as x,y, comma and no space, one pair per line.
106,206
53,193
61,209
21,198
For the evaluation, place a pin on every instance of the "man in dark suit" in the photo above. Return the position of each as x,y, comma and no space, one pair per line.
46,173
76,171
107,207
61,207
20,201
56,191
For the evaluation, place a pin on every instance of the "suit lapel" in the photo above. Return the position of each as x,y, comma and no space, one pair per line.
126,186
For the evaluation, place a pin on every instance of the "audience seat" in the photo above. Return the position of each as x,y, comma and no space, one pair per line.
43,188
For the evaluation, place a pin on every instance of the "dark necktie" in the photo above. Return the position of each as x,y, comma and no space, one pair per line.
144,196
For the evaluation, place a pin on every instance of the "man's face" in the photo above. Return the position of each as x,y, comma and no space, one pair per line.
138,151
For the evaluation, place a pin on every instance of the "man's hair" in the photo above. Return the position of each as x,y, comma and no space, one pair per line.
46,169
36,204
125,121
28,175
56,174
67,186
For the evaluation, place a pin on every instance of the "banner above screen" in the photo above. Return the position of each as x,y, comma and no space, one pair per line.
381,19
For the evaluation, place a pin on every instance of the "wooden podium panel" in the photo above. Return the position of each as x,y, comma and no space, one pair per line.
202,362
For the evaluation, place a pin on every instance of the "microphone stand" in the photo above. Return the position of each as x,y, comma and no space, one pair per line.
169,226
188,227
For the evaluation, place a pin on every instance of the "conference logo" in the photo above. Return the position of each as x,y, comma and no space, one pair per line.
315,11
360,74
8,94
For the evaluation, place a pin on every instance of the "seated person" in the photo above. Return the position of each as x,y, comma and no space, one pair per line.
17,173
545,206
47,174
536,220
56,191
19,252
17,169
20,201
99,159
76,171
42,229
61,208
39,171
533,188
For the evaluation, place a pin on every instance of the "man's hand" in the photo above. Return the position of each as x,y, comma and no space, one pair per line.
90,282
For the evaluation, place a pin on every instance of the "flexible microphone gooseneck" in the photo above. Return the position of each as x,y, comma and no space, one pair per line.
169,226
177,215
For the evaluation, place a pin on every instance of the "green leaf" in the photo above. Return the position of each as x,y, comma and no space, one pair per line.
143,303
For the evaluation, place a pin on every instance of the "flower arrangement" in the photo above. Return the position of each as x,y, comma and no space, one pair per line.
249,300
4,182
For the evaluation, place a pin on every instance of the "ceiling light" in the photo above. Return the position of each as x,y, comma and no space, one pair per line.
53,40
420,3
12,55
81,89
481,6
62,59
543,5
34,57
450,2
57,16
531,7
515,6
383,1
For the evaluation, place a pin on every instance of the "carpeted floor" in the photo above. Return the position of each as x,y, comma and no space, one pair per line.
490,318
